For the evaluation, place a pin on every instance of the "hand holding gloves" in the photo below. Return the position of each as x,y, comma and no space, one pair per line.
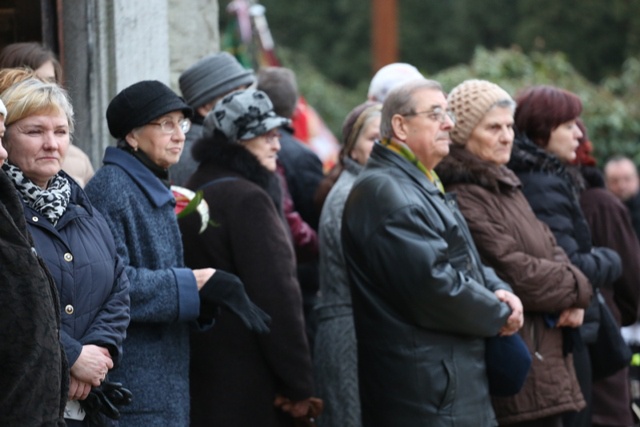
228,290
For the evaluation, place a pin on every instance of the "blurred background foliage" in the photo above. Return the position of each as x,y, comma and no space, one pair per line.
590,47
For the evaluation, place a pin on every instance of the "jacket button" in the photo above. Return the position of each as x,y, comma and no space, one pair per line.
68,257
34,219
68,309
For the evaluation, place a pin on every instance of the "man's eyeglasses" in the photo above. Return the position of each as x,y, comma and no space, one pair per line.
437,114
169,126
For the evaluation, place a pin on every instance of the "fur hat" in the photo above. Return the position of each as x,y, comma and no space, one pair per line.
470,101
139,104
242,115
212,77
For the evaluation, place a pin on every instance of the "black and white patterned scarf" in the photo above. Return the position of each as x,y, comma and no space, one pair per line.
50,202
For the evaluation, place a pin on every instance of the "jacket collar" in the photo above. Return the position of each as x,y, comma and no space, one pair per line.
154,189
381,156
351,166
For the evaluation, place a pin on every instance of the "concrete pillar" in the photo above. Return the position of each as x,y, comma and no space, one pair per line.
108,45
193,33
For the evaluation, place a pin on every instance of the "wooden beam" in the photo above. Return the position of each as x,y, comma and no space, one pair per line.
384,33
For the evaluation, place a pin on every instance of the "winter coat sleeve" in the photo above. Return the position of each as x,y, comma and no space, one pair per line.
413,266
160,289
109,328
161,295
553,201
543,284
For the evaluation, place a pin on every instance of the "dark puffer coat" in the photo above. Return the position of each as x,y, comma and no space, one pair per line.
93,288
34,379
524,253
423,303
554,195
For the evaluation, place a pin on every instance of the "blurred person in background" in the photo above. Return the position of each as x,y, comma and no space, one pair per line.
545,143
202,85
611,227
335,352
46,66
621,178
387,77
301,170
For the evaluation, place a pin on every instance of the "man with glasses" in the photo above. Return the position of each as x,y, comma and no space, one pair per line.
423,302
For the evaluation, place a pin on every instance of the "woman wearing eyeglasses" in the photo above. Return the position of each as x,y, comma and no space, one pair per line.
237,377
132,191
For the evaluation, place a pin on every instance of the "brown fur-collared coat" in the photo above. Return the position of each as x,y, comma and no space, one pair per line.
524,253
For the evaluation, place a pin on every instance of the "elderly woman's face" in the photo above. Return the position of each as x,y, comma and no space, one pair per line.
563,141
364,144
38,144
492,138
265,148
164,149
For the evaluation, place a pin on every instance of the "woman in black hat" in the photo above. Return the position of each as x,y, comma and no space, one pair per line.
132,191
237,377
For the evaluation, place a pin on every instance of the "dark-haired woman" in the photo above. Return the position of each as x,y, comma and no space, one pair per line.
547,141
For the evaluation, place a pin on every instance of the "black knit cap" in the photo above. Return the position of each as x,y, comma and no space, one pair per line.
141,103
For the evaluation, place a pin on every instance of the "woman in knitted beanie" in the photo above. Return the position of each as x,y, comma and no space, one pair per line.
546,118
335,358
521,249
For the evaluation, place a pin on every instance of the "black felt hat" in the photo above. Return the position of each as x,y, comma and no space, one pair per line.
141,103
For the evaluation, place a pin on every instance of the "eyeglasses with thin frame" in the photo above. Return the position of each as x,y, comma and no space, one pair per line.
272,136
169,127
437,114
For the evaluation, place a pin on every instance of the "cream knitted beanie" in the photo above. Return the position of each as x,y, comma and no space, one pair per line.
470,101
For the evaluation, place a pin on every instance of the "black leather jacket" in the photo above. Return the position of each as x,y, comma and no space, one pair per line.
423,302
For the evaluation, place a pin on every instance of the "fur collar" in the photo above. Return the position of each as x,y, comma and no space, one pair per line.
234,157
528,157
464,167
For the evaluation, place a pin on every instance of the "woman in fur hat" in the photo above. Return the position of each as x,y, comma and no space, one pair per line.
521,249
237,377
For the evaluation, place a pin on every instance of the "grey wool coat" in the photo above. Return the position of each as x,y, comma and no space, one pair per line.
335,356
164,297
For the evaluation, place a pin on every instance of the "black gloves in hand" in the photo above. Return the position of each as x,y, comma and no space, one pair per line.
226,289
105,400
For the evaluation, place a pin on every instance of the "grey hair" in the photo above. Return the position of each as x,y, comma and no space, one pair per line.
401,101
